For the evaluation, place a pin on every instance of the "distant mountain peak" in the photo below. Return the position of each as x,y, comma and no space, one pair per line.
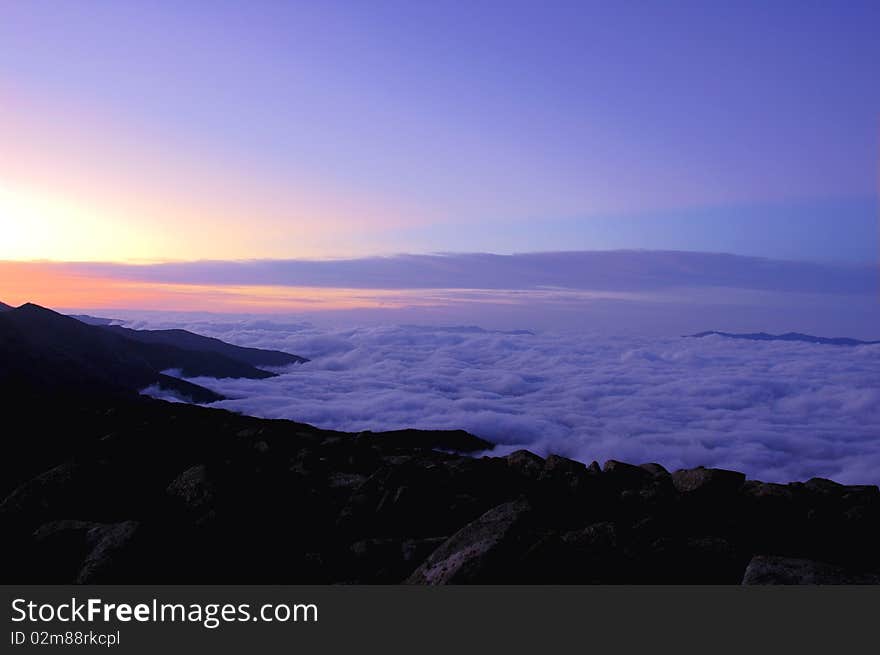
788,336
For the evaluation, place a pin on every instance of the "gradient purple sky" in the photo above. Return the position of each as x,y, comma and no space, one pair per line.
145,131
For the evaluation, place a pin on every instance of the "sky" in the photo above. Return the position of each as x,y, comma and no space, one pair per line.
157,131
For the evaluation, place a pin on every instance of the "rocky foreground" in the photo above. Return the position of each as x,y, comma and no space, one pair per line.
169,493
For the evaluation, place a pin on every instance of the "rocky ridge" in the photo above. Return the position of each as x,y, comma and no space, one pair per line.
173,493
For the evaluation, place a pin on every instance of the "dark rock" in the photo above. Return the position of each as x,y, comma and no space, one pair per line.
388,560
823,486
66,528
772,570
426,495
707,481
60,547
625,476
678,559
598,535
416,550
93,490
38,495
861,493
526,463
345,480
193,490
657,491
557,464
654,469
85,552
452,440
377,560
762,491
107,560
483,551
588,555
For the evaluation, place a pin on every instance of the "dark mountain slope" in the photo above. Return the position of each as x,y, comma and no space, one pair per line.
198,343
44,351
4,307
53,365
97,353
788,336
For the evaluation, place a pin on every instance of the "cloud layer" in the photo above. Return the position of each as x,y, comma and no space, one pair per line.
615,292
777,411
610,270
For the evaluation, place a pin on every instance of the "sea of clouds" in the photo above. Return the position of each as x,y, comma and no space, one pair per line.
778,411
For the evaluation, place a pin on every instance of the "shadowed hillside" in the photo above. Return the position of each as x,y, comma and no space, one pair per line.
198,343
47,348
44,350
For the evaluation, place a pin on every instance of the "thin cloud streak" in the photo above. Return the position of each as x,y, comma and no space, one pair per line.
613,292
617,270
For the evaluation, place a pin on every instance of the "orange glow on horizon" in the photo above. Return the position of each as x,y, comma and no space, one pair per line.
63,288
22,282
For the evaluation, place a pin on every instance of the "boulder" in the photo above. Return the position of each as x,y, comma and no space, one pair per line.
707,481
483,551
193,489
625,476
655,469
109,555
824,486
767,491
558,464
37,495
526,463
